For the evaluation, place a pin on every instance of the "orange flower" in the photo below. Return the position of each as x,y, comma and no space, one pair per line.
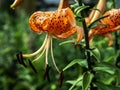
59,24
108,25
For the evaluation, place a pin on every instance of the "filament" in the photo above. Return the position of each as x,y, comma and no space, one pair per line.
47,47
38,51
53,58
39,56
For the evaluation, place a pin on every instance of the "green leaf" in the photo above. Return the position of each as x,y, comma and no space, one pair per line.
73,6
83,63
87,78
68,41
93,24
76,82
109,59
102,86
76,61
96,10
96,53
115,88
105,68
73,81
108,79
80,8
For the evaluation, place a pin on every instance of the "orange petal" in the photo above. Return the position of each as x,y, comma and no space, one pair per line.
68,33
39,21
80,34
71,17
110,39
63,4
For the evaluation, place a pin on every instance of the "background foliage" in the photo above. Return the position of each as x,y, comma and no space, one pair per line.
16,35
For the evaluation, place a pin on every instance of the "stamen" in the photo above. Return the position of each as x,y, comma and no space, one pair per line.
38,51
61,78
39,56
46,74
32,66
20,59
47,47
53,58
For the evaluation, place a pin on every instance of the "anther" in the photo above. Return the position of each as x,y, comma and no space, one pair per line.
20,59
61,79
46,74
33,68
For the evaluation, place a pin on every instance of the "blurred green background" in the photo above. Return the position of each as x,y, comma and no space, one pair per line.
15,36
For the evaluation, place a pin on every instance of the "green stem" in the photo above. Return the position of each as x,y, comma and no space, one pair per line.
86,37
116,42
88,58
113,3
116,34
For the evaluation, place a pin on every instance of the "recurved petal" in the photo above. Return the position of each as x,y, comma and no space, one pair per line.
67,34
71,17
39,20
80,34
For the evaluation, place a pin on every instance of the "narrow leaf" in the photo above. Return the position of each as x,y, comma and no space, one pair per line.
93,23
87,78
76,82
104,68
96,53
102,86
73,63
68,41
73,81
80,8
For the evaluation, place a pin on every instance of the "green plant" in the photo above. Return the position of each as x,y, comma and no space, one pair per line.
85,67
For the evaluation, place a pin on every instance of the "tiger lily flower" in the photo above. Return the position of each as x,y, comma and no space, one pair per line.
58,24
107,24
